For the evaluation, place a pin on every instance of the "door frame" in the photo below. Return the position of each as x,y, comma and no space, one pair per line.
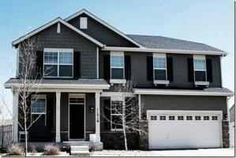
78,95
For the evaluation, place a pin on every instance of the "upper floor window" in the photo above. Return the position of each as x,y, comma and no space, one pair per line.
200,73
83,23
160,69
117,65
58,63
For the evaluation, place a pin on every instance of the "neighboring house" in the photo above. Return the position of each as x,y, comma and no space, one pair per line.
178,83
232,125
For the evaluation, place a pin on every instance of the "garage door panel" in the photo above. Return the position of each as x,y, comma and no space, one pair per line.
184,133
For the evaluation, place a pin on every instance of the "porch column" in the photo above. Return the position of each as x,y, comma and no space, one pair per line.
97,115
58,117
15,115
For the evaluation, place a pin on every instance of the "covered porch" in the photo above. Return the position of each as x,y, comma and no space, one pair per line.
72,110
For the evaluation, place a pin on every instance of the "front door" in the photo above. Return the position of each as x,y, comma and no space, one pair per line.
76,116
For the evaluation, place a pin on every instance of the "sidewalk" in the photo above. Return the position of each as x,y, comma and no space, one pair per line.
197,152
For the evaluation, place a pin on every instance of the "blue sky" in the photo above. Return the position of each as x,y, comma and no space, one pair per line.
207,21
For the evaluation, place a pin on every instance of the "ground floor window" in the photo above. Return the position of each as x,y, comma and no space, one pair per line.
116,115
38,108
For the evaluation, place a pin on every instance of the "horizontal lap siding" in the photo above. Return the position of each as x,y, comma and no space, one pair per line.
101,33
49,38
157,102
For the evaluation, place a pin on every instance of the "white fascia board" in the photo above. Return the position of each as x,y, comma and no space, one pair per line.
61,86
103,23
157,50
181,92
22,38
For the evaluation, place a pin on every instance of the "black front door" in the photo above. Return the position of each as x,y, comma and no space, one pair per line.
76,121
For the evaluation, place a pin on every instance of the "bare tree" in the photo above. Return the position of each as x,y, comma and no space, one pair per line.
29,82
127,111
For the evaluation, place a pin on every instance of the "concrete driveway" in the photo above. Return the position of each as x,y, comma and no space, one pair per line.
197,152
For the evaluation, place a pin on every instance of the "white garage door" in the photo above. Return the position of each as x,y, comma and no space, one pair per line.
184,129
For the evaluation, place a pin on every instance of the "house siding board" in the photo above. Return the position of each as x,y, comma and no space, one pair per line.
49,38
101,33
90,116
216,71
157,102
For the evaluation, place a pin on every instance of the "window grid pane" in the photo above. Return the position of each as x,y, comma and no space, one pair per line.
159,63
38,106
117,61
50,57
199,65
65,58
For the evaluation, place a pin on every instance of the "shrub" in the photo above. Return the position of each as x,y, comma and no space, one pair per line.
15,149
51,150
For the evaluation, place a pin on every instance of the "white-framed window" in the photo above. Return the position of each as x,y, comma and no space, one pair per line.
199,65
160,68
58,63
83,22
116,115
117,70
38,108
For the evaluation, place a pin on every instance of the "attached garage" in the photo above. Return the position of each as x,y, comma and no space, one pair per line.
184,129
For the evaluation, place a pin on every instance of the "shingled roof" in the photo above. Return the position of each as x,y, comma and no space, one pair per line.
160,42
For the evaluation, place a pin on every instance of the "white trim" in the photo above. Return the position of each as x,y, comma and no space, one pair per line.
84,104
39,29
97,116
103,23
15,115
58,116
201,83
58,64
180,92
110,94
61,86
157,50
17,61
118,81
139,107
97,50
58,27
199,57
166,82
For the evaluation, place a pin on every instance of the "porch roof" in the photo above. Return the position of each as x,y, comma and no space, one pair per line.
87,84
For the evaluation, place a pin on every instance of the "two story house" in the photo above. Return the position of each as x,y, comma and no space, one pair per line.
177,84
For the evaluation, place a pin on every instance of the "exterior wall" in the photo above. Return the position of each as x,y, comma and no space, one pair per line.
101,33
180,70
49,38
159,102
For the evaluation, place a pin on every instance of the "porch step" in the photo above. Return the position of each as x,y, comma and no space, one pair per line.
82,150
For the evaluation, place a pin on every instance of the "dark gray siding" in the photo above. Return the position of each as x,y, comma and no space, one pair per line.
90,116
101,33
180,70
161,102
49,38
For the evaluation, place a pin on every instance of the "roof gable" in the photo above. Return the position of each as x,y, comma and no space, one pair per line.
47,25
103,23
